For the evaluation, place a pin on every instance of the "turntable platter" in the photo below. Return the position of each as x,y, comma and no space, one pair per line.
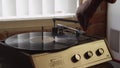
36,41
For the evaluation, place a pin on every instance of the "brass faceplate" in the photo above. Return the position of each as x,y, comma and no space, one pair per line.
74,57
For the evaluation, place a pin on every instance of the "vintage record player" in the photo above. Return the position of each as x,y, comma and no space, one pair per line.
61,47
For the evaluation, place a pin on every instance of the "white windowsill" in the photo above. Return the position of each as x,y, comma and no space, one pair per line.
36,17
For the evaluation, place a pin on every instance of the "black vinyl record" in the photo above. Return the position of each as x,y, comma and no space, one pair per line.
38,41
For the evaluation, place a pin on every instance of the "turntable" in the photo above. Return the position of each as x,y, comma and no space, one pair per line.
58,38
61,47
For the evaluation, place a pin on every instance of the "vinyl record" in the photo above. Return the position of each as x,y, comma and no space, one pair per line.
43,41
38,41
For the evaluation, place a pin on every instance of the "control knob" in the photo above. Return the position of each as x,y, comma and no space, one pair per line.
75,58
99,52
88,54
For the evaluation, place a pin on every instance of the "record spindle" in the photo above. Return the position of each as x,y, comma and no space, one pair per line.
42,38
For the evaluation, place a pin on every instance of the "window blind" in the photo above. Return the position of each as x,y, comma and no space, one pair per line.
25,9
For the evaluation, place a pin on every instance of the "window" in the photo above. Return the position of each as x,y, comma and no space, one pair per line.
36,9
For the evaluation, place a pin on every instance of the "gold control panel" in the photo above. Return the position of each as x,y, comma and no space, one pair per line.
80,56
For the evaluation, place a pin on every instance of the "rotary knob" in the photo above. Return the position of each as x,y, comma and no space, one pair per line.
88,54
99,52
75,58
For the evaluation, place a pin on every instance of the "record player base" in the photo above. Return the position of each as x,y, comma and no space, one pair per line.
103,65
12,58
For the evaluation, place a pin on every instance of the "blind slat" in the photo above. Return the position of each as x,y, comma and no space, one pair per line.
35,7
8,8
22,7
0,8
48,7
